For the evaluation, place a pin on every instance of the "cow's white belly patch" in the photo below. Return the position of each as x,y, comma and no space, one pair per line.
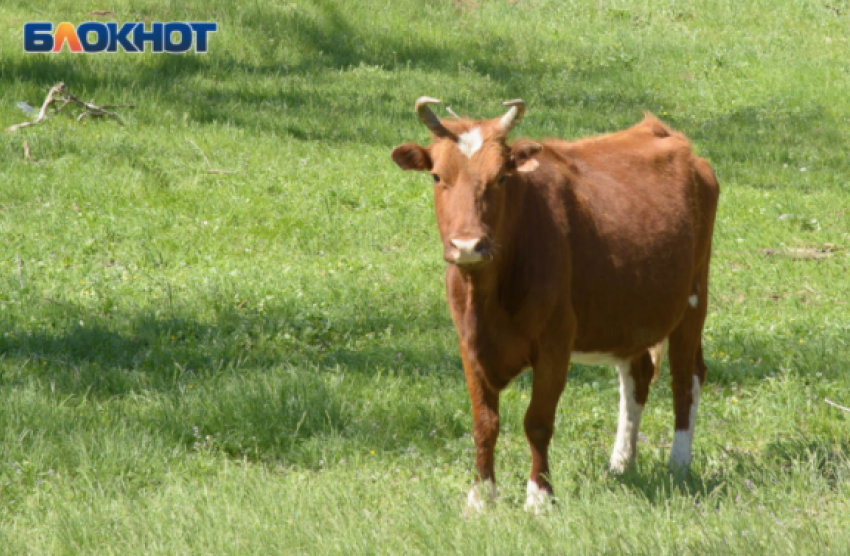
595,358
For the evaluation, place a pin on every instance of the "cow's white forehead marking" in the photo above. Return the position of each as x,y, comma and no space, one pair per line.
470,142
693,300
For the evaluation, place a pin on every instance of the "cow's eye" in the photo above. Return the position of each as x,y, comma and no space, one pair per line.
436,178
502,178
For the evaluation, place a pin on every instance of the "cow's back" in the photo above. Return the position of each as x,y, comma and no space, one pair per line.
640,208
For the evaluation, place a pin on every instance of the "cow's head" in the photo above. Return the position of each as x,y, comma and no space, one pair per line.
472,167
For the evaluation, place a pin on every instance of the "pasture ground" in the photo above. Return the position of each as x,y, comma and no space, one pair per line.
263,362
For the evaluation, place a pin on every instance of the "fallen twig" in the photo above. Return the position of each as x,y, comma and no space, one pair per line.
42,115
95,110
200,150
801,253
210,170
835,11
27,151
832,403
452,112
91,109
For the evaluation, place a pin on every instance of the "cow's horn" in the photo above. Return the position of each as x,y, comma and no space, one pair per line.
428,117
514,115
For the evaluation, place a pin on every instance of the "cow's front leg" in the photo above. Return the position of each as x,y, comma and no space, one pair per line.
547,385
485,431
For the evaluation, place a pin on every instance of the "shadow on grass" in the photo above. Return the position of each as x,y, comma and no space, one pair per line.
777,135
656,483
260,384
157,345
327,41
830,460
745,471
289,369
328,44
784,136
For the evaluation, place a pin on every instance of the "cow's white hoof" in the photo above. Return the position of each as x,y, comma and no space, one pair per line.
679,464
480,495
537,500
620,462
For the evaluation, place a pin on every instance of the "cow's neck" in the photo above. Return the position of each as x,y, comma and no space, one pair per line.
500,308
503,284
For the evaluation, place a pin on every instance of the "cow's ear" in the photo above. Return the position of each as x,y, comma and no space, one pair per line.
522,156
411,156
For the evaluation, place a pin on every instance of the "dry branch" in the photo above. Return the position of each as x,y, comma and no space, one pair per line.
200,151
91,109
210,170
95,110
832,403
801,253
42,115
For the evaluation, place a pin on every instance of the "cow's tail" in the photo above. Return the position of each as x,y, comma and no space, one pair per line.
656,352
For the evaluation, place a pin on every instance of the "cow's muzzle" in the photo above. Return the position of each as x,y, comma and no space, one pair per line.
468,251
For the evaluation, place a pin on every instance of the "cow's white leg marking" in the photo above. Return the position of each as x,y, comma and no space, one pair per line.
480,494
536,499
625,447
470,142
680,453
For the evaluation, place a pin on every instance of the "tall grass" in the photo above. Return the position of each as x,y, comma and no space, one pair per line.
263,362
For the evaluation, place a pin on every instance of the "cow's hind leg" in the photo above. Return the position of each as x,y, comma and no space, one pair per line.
635,378
687,373
687,367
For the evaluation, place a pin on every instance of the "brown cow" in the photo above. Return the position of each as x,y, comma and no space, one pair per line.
595,251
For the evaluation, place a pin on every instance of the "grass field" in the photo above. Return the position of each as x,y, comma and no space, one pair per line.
263,362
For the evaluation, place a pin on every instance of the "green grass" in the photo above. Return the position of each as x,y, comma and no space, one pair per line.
263,362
